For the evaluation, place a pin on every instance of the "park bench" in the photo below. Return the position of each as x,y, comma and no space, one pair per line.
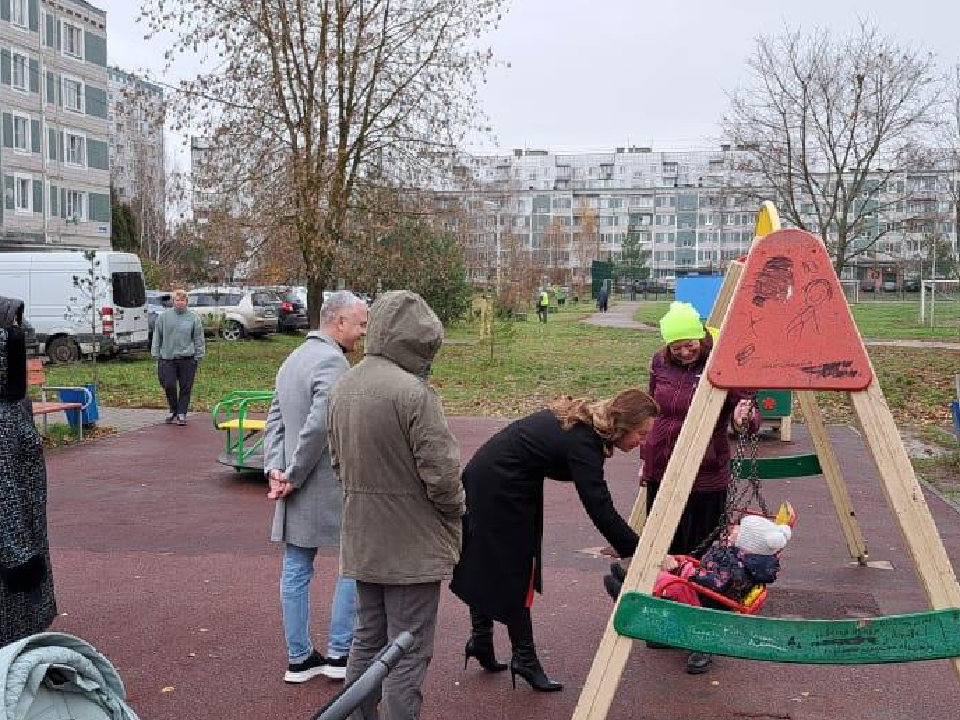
37,378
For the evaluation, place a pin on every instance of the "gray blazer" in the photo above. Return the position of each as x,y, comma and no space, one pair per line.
296,442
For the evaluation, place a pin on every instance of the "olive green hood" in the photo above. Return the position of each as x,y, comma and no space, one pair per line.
404,330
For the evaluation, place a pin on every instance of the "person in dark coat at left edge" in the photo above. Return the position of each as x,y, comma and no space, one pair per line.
27,604
500,567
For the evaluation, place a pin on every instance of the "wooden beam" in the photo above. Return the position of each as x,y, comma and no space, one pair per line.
856,545
785,430
638,516
906,500
727,288
614,651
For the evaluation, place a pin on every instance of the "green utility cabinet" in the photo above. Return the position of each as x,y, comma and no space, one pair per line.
776,410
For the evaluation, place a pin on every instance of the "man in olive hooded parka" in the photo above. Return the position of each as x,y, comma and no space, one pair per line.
402,496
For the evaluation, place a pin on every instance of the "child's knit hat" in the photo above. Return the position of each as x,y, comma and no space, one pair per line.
760,536
682,322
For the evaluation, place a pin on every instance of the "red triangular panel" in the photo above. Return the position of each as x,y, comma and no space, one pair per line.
788,325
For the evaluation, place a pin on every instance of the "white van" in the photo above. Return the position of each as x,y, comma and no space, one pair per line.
45,282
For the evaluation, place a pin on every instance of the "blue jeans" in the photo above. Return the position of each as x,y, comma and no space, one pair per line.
295,599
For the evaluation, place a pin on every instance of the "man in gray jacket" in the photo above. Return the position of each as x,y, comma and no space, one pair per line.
402,496
178,345
305,486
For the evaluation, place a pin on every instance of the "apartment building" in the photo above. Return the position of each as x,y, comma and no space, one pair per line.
54,147
137,115
687,212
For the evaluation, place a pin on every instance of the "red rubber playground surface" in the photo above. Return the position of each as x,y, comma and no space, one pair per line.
162,561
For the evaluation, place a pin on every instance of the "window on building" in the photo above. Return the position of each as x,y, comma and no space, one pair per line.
74,149
23,193
20,71
73,94
19,14
21,133
75,205
72,40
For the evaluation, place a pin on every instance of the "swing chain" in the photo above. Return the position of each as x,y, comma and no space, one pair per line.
746,436
739,494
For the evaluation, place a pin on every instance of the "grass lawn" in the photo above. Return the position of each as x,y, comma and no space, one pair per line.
535,362
876,319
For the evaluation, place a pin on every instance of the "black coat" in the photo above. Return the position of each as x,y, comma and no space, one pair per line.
503,527
27,604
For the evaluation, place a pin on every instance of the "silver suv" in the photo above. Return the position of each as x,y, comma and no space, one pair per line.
236,312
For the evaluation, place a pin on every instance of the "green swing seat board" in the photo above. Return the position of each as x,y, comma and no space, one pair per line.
787,466
931,635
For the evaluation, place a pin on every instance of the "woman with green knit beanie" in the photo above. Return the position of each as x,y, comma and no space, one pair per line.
675,372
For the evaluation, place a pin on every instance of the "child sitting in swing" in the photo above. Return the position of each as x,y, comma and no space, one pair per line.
732,568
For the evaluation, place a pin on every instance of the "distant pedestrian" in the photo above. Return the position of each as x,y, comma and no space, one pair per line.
27,603
543,305
306,488
633,290
178,345
602,297
403,502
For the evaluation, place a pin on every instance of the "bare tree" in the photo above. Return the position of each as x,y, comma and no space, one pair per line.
585,245
948,157
823,116
555,251
314,101
519,279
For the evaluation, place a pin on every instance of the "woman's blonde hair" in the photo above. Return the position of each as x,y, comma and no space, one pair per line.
613,418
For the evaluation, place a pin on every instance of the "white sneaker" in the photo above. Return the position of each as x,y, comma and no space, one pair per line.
306,670
335,668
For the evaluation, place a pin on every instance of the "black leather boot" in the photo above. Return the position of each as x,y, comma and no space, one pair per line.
618,572
698,663
613,582
524,661
480,644
612,586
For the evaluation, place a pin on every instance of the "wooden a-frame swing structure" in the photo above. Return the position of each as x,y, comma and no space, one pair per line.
788,327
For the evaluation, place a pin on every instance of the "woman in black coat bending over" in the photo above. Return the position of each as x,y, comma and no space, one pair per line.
503,529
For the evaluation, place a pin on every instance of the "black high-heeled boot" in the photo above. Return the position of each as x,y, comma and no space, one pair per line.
524,661
480,644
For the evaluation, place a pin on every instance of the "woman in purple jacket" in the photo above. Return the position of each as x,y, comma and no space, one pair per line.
674,373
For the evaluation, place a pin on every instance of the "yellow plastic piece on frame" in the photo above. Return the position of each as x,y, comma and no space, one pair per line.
768,220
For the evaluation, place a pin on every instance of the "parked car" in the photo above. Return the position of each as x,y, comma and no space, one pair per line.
889,286
292,313
157,302
868,285
237,312
911,285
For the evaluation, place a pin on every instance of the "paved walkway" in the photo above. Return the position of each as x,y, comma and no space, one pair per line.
129,419
161,560
620,315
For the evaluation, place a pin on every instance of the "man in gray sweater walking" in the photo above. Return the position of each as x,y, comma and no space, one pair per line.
178,345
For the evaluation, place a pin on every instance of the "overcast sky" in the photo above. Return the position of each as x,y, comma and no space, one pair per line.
595,74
